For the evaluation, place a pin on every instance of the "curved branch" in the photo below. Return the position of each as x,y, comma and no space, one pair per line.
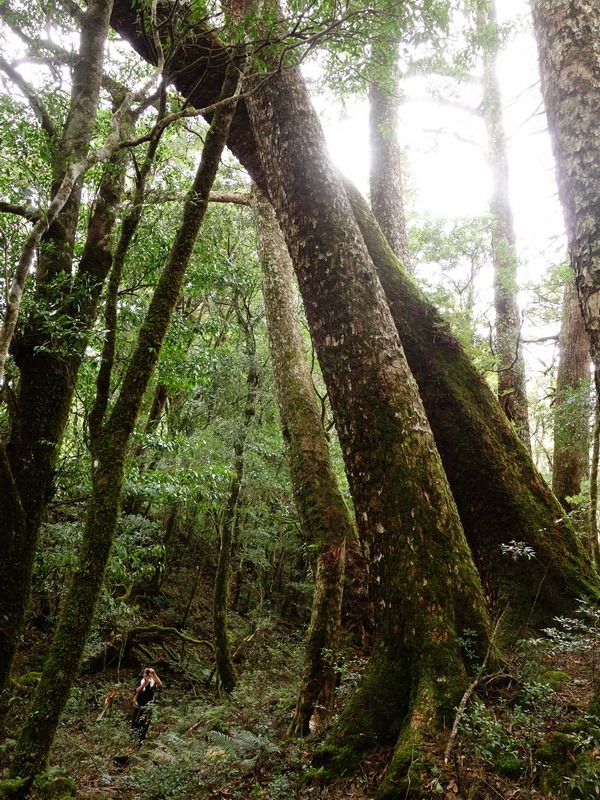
30,214
41,226
160,630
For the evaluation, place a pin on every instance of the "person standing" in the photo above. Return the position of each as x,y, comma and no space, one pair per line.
144,693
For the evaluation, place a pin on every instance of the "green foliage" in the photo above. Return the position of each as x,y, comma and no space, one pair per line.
53,785
137,554
576,634
363,43
452,259
492,740
569,767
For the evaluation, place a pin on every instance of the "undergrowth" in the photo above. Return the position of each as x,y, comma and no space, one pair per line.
532,730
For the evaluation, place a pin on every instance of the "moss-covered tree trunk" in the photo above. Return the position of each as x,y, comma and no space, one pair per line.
421,570
324,516
474,437
48,362
512,392
568,47
109,446
230,516
513,503
571,402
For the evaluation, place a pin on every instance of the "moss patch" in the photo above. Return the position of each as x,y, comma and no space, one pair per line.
565,771
13,787
554,679
55,787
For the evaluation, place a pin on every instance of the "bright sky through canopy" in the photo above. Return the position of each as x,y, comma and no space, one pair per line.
444,145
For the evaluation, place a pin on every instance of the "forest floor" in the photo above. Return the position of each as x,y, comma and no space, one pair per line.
525,735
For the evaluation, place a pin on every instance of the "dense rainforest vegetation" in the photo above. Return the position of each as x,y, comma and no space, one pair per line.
282,439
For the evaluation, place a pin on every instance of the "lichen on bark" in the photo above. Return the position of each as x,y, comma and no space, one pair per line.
110,438
422,575
324,516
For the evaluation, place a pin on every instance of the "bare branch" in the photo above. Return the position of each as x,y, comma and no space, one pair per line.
31,214
235,198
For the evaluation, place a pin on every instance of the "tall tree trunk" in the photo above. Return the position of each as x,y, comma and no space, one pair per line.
109,446
229,520
471,433
324,516
474,437
567,39
385,173
422,572
568,51
48,364
512,391
593,521
572,402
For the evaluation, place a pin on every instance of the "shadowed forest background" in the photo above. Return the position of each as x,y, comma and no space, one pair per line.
327,463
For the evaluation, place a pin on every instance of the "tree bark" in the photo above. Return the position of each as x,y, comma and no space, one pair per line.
571,402
324,516
569,58
48,363
109,447
385,173
472,435
512,391
422,573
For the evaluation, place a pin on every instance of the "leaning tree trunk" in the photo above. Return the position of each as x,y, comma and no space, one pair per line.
385,171
229,521
513,503
474,437
571,402
422,573
48,364
568,49
324,516
512,392
109,448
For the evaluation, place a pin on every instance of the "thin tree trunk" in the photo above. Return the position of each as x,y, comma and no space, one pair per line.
385,173
109,447
325,519
228,523
512,391
593,517
47,370
571,402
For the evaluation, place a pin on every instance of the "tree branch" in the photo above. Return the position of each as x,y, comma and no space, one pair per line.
36,104
30,214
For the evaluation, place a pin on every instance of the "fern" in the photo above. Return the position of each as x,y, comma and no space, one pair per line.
243,743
